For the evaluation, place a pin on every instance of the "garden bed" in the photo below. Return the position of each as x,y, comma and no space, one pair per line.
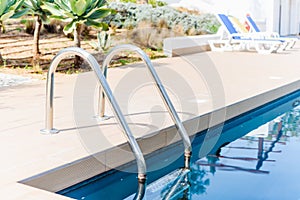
130,24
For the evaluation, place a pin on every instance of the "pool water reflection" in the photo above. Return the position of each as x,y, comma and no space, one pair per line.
264,164
256,157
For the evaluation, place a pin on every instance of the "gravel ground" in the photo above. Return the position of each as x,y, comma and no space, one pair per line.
11,80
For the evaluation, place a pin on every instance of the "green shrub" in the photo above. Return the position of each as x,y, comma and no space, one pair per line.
129,15
156,3
128,1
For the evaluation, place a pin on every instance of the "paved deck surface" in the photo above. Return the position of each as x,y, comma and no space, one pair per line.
197,84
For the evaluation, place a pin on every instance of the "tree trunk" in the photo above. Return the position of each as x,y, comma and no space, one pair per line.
1,59
2,27
36,48
77,33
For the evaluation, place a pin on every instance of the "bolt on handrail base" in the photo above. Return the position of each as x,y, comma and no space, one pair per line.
49,131
142,178
102,118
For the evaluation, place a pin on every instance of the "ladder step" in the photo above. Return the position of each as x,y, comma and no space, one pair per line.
174,182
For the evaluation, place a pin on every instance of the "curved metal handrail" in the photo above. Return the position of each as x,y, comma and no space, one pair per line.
162,91
141,164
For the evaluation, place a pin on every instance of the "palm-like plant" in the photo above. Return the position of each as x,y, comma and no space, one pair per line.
78,12
34,7
9,9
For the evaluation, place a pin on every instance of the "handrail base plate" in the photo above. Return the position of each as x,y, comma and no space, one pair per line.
49,131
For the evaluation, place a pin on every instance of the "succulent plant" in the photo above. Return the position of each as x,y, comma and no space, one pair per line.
75,12
78,12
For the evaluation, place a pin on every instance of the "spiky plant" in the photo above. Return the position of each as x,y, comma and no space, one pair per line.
78,12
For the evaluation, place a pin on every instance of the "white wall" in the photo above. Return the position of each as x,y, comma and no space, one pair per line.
234,7
237,8
295,17
271,15
285,17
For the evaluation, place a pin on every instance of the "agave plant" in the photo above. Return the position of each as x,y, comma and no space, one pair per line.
76,13
103,41
34,7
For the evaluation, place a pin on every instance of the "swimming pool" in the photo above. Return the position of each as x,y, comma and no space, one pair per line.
256,157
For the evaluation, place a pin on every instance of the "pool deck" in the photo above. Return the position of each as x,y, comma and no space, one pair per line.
198,84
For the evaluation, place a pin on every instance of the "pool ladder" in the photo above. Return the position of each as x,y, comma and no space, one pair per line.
106,91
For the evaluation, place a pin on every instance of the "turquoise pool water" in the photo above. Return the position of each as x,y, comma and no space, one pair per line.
256,157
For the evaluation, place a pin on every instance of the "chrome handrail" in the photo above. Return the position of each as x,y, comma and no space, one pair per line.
162,92
141,164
